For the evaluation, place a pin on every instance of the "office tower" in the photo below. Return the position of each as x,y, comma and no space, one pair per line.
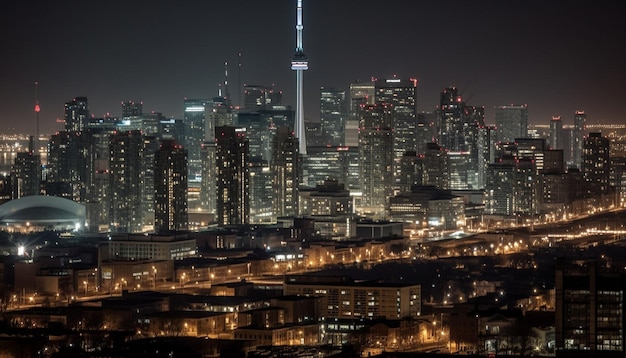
126,181
376,156
526,196
531,148
299,63
219,114
499,188
425,131
76,114
333,115
589,311
209,178
338,163
61,168
412,169
557,135
596,164
473,119
172,129
26,173
553,188
170,186
233,176
486,150
553,161
436,167
132,109
578,138
618,178
195,134
313,134
255,97
285,166
459,170
151,124
360,93
261,192
258,132
402,95
511,122
451,133
97,181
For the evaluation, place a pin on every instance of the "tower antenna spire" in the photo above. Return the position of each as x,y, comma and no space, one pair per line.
239,79
226,93
37,110
299,63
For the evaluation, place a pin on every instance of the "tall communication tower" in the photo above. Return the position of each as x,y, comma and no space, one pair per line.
37,110
299,63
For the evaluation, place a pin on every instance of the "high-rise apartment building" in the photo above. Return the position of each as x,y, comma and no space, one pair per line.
261,192
126,180
360,94
208,187
233,176
511,122
596,163
333,115
170,186
285,167
376,156
26,173
76,114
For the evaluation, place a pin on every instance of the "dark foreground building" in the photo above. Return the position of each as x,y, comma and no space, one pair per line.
589,309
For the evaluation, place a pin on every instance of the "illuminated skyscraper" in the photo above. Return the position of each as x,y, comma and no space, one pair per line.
76,114
126,181
285,167
26,173
195,122
578,138
376,156
596,164
233,176
299,63
451,124
333,115
556,133
402,95
170,184
511,122
261,192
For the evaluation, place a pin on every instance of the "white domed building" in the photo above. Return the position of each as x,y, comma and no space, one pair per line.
41,213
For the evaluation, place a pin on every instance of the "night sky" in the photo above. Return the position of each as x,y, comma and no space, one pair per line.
556,56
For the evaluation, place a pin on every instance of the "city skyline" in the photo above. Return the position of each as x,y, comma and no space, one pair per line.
554,58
